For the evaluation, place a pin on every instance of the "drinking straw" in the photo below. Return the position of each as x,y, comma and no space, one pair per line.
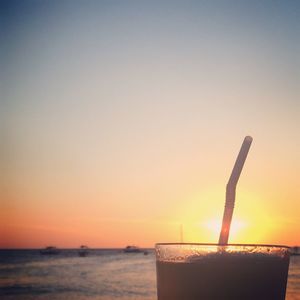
230,190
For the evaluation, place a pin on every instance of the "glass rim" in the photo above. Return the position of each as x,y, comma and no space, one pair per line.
222,245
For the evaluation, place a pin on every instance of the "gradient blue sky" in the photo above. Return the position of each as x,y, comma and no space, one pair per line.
122,111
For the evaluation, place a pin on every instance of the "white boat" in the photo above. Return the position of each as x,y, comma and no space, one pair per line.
132,249
50,250
83,251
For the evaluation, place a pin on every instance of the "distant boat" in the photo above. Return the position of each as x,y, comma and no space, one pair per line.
83,251
295,250
50,250
132,249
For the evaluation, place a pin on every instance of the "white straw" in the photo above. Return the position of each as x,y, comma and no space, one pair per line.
230,190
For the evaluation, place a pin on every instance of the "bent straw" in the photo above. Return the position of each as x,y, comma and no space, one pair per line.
230,190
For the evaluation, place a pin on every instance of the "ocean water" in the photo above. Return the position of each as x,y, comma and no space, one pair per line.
104,274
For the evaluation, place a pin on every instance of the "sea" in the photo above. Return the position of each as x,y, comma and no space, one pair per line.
105,274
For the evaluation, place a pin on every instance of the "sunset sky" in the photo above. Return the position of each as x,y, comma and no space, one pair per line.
121,120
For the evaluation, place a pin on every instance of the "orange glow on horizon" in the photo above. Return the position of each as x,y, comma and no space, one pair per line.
200,215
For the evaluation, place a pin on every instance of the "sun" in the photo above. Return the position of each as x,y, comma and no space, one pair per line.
213,226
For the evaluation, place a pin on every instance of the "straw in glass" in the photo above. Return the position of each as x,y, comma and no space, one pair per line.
230,190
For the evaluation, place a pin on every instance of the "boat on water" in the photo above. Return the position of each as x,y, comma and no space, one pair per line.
135,249
132,249
50,250
83,251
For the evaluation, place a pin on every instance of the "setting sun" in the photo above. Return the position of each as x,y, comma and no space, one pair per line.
213,227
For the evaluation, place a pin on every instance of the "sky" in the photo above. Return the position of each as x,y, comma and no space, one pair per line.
121,121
